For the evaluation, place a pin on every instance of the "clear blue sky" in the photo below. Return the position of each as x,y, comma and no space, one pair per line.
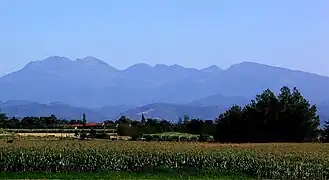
192,33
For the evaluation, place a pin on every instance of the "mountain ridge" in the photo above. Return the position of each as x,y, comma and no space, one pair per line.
172,65
61,79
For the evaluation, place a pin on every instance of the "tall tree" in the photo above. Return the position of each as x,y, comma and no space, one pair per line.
325,132
300,117
265,117
53,120
3,119
288,117
13,123
230,125
186,118
143,119
84,120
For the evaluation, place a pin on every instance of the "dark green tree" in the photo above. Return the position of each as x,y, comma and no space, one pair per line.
194,126
128,130
13,123
143,121
230,125
261,117
123,120
286,117
299,119
186,118
53,120
208,128
3,120
84,120
325,132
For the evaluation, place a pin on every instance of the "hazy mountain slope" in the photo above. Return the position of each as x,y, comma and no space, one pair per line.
112,111
58,79
248,79
166,111
22,109
90,82
219,100
172,112
323,111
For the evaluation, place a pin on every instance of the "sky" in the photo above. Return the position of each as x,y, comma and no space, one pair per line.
193,33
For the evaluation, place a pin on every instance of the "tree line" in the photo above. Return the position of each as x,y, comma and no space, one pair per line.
30,122
286,117
138,128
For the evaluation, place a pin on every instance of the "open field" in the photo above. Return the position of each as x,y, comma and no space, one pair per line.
47,134
57,130
172,136
175,134
70,133
275,160
111,135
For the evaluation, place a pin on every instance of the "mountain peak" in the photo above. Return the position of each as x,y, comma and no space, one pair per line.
94,64
52,59
139,66
212,68
50,62
91,61
56,59
247,64
176,66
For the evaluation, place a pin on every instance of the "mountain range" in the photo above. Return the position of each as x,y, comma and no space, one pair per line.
68,88
156,110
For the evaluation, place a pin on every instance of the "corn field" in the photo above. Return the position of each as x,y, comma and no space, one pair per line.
275,161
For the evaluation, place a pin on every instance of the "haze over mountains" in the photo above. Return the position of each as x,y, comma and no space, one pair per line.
90,85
